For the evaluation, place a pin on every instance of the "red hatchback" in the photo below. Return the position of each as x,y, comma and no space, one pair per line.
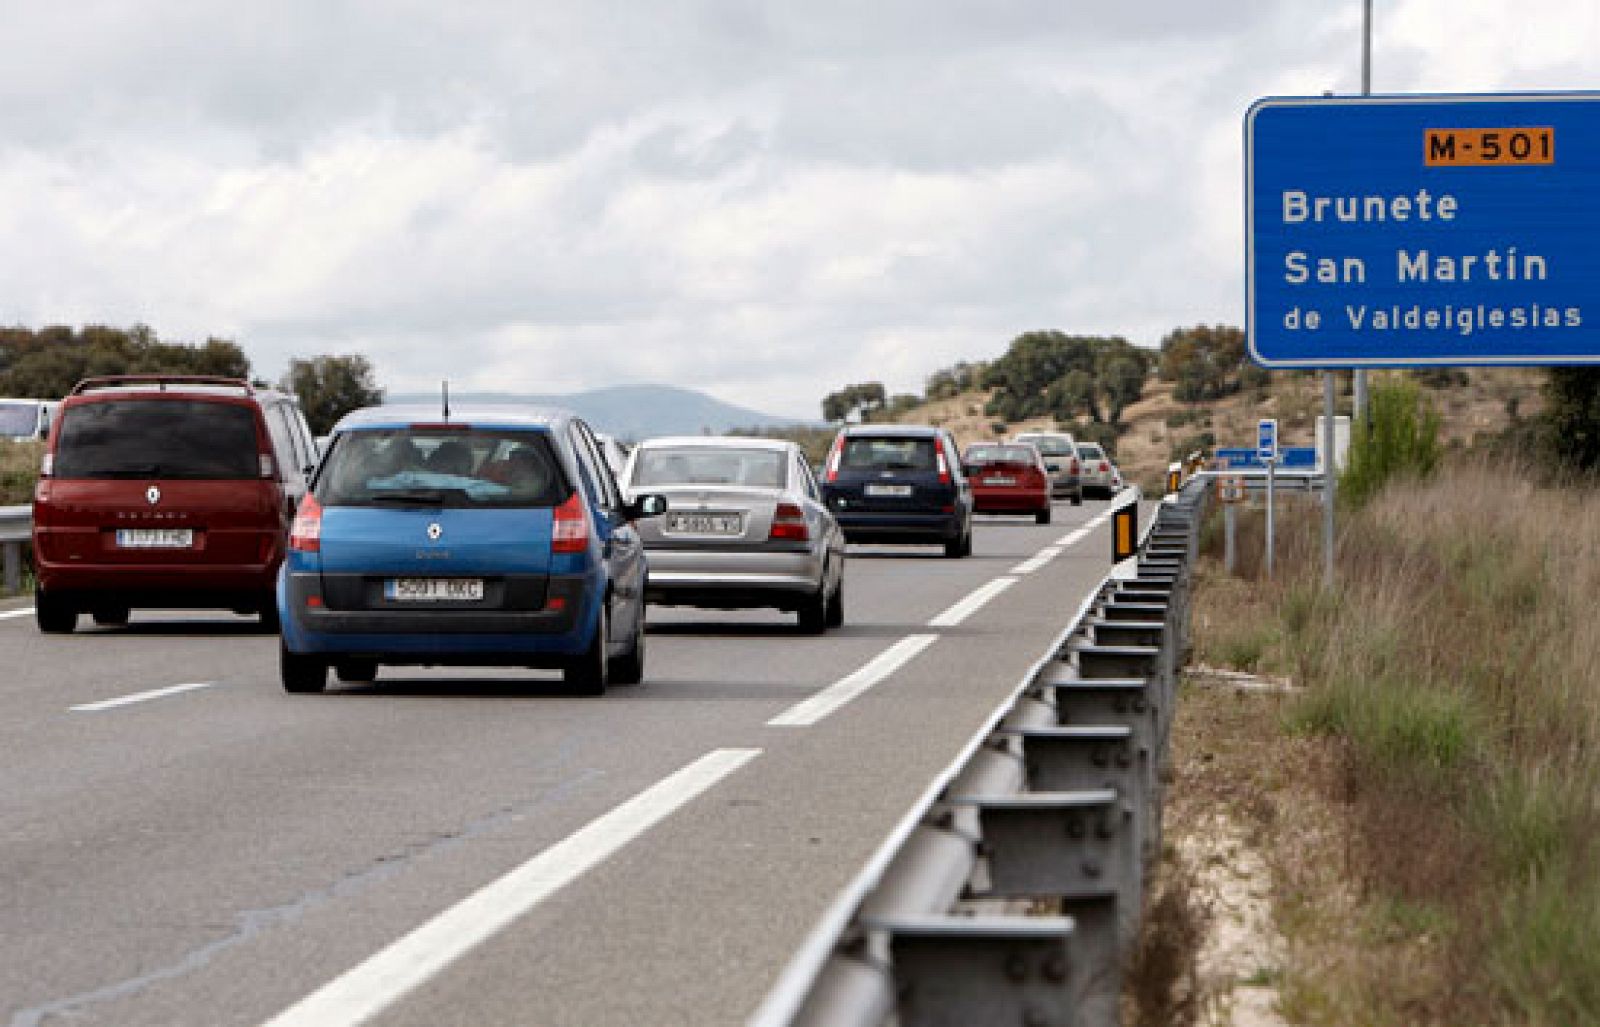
167,492
1008,478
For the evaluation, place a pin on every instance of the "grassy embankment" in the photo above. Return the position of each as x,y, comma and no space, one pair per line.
1452,676
19,469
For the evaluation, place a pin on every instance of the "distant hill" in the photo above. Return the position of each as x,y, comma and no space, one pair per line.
630,412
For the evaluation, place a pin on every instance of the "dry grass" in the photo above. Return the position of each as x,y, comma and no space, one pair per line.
19,469
1455,670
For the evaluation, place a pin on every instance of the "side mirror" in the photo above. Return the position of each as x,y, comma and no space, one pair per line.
651,504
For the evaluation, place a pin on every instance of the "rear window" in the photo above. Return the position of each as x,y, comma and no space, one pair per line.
158,438
1050,445
19,420
704,465
1090,451
889,453
418,467
1000,455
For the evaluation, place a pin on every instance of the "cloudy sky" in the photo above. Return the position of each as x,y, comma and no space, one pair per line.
763,200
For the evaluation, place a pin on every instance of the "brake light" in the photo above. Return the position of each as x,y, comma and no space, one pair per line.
944,468
834,458
569,529
306,535
1074,466
1104,467
789,524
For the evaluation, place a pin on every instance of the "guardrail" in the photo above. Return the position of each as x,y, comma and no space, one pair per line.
16,531
1011,892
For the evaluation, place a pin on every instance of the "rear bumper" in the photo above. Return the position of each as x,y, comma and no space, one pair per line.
1014,501
898,527
160,587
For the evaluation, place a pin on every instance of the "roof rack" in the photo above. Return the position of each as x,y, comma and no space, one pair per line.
160,381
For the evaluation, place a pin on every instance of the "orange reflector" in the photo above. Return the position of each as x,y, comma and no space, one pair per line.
315,602
1124,533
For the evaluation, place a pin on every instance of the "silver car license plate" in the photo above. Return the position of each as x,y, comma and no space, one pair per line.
704,524
999,479
155,538
433,590
887,490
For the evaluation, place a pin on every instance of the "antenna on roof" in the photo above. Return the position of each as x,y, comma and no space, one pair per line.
444,389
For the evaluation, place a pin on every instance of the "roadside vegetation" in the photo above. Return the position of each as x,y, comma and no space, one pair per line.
1449,680
19,469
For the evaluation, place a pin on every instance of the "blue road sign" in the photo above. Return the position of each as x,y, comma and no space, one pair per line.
1266,440
1242,458
1413,230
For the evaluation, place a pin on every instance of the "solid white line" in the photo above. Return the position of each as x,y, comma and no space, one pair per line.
1037,560
809,711
972,603
372,986
26,611
128,700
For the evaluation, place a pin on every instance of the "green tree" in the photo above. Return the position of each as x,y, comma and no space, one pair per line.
330,387
48,362
1570,428
1399,439
1122,381
1203,362
866,398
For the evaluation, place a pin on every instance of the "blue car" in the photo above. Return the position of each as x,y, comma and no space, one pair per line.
488,538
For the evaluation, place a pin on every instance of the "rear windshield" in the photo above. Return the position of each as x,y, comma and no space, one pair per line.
19,420
1000,455
158,438
419,467
1050,446
888,453
705,465
1090,451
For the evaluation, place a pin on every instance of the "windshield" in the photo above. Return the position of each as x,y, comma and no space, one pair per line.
428,467
1050,446
1090,451
19,420
883,453
705,465
158,438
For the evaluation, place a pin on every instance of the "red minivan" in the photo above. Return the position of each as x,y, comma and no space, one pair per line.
166,492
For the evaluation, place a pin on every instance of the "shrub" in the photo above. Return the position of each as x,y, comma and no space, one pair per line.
1399,439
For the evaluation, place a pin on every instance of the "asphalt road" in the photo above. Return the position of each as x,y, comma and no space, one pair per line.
467,847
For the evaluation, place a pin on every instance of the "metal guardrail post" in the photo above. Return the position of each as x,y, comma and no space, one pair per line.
16,531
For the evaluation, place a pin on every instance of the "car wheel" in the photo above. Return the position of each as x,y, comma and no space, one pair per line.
54,616
1077,498
1042,517
356,672
960,547
835,617
628,669
111,616
590,674
813,613
301,674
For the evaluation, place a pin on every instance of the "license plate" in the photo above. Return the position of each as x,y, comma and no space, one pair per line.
155,538
999,479
433,590
704,524
887,490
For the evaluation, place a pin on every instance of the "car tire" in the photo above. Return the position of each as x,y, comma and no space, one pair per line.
356,672
812,615
111,616
1077,498
269,623
960,547
835,617
590,674
1042,516
54,616
301,674
628,669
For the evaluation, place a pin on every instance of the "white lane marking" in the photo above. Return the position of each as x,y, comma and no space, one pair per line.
1037,560
809,711
972,603
26,611
128,700
374,985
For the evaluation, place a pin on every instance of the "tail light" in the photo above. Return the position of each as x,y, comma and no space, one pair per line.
789,524
944,469
306,535
569,529
834,458
1104,467
1073,467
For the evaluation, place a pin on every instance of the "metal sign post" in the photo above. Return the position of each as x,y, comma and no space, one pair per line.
1267,453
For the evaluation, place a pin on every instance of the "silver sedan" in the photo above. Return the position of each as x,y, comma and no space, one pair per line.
745,527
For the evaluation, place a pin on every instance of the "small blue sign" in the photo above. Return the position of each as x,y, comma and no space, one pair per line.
1267,440
1414,230
1241,458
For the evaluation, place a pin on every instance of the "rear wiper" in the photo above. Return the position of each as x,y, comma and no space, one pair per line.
414,497
901,467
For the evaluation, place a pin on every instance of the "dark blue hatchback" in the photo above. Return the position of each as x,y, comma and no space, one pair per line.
492,538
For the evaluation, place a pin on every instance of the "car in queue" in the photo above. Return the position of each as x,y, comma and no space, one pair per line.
1008,478
166,492
745,528
1096,472
493,537
1060,452
899,484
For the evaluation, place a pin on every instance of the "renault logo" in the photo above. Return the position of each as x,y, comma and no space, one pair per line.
152,495
434,531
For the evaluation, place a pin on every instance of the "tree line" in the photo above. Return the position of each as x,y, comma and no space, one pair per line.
46,363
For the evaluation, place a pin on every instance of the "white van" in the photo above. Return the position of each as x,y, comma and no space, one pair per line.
22,419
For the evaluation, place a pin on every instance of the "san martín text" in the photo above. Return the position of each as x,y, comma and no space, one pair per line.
1420,266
